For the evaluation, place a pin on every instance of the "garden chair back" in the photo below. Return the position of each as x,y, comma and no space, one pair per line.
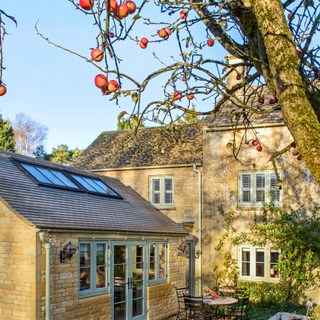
196,308
181,293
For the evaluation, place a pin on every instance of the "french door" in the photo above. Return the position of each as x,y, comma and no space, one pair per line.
128,280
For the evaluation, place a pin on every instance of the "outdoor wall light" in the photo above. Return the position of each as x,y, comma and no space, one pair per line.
68,251
181,248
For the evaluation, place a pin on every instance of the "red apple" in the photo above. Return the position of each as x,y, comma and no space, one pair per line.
111,35
294,146
290,15
299,158
167,31
142,45
238,77
184,14
113,5
123,10
113,85
210,42
105,91
272,101
259,148
162,33
299,51
176,96
190,96
144,41
101,81
86,4
260,100
97,55
184,79
318,74
131,5
255,142
3,90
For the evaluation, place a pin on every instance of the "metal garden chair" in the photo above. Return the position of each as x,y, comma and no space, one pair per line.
181,293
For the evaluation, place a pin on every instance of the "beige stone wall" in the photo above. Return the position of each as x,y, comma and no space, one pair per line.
186,197
65,303
221,184
17,267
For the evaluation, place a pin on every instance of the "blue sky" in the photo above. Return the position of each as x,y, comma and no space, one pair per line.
55,87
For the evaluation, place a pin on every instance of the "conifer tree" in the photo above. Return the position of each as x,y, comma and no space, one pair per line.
7,140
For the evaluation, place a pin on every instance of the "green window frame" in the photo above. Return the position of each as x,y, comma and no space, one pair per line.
94,267
254,188
157,253
161,191
258,263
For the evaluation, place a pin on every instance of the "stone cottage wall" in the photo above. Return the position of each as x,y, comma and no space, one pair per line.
220,185
186,196
65,303
17,267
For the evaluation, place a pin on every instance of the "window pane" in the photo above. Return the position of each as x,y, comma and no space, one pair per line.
152,252
101,277
84,255
120,293
137,290
64,179
246,181
151,271
260,194
162,260
156,184
259,263
274,259
120,311
101,254
37,174
245,268
274,188
94,185
137,307
156,198
104,187
152,257
84,183
168,184
246,196
119,254
260,180
48,174
119,273
84,279
168,198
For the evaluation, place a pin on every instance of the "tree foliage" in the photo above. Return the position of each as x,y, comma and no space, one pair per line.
278,59
297,237
188,117
29,134
7,139
63,155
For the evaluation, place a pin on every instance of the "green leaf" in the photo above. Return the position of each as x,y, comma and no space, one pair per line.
136,17
121,115
134,120
134,97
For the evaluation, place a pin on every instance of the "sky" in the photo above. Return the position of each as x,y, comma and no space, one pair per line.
56,88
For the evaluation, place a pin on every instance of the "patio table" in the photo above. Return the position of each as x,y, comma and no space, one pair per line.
216,303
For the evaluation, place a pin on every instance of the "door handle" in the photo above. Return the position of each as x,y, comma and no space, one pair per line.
131,283
128,283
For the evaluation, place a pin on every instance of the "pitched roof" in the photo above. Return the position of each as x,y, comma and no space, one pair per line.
54,208
155,146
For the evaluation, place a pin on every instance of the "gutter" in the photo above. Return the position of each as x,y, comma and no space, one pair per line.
113,232
150,167
200,227
48,251
270,125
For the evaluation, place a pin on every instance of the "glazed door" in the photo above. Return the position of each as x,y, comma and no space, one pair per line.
128,277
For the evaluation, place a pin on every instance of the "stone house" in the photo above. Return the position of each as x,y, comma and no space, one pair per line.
78,245
189,173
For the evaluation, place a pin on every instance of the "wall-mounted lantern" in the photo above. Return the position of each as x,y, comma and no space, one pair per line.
181,248
68,251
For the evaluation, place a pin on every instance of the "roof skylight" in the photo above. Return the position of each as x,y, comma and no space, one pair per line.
65,179
49,176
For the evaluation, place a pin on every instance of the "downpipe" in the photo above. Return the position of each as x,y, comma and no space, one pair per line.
200,227
47,245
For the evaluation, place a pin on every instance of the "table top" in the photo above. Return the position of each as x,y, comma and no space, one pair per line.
218,302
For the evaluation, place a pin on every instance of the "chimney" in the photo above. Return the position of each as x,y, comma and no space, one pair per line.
231,79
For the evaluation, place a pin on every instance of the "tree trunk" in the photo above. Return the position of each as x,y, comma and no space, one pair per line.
297,111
